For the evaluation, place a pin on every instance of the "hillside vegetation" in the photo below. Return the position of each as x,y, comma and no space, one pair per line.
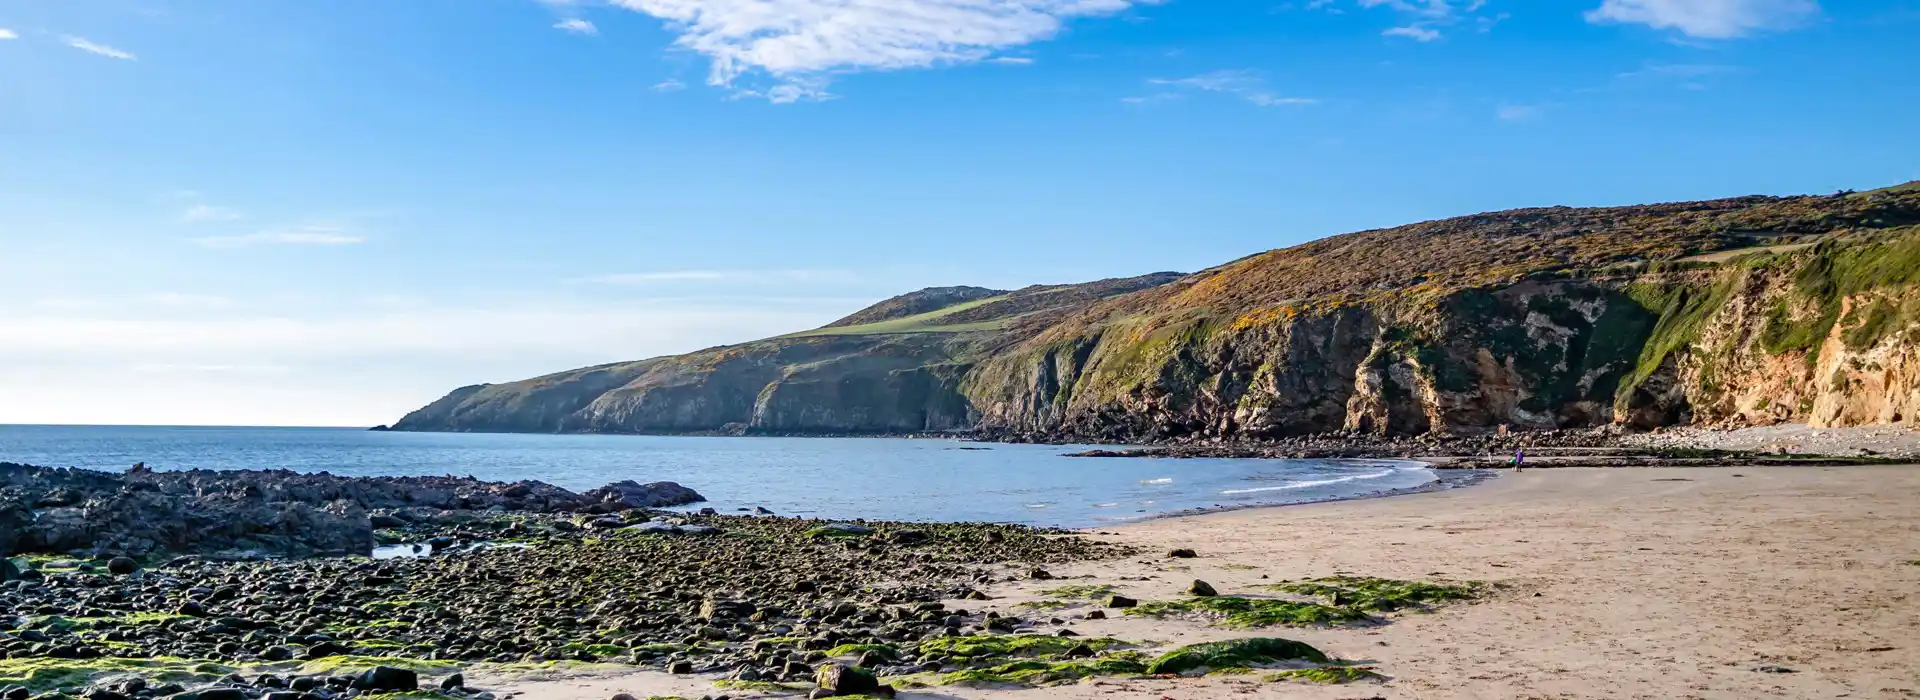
1749,309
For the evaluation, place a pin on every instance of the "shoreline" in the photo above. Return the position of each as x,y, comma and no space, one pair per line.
1444,480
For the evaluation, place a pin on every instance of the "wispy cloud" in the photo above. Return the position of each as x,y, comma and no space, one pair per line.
669,85
6,34
1709,19
99,49
1244,84
209,212
1011,60
577,26
738,276
314,234
1416,33
1423,20
799,44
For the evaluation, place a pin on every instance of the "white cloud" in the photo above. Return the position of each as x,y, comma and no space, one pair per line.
1416,33
1424,19
6,34
99,49
577,26
1245,84
315,234
639,278
208,212
1708,19
1011,60
669,85
800,43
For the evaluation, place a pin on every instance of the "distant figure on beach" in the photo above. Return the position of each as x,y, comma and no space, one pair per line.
1519,458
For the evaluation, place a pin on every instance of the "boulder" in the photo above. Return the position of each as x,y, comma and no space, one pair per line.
121,566
632,494
388,678
1202,589
844,679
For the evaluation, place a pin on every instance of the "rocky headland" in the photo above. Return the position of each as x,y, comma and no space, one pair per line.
1731,312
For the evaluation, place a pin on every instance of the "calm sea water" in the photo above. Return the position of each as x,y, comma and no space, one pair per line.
893,479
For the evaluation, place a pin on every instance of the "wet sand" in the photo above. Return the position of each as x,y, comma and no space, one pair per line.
1614,583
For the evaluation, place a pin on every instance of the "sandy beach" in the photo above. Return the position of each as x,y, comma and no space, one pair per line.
1611,583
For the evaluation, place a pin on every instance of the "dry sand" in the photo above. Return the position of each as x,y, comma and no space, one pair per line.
1616,583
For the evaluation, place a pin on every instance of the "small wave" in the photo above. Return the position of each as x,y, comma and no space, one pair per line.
1309,484
1038,505
1162,480
1106,505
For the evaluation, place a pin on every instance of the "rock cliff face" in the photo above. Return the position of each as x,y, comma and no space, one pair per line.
1745,310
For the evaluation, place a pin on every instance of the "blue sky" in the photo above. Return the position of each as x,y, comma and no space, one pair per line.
279,212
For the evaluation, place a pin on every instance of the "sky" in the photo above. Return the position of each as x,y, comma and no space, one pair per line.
280,212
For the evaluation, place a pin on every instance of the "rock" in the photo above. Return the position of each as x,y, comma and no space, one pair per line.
1774,669
1095,615
1202,589
454,682
681,668
276,653
387,678
1120,601
1039,574
843,679
846,529
1182,554
15,692
910,537
624,696
631,494
8,571
608,523
121,566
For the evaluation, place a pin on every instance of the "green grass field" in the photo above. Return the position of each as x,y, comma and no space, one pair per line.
918,323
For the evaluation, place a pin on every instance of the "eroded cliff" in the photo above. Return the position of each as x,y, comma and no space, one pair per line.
1752,309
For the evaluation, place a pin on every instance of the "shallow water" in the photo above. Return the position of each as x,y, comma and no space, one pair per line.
892,479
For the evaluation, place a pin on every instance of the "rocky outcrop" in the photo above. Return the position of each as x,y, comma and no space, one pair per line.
1744,310
144,512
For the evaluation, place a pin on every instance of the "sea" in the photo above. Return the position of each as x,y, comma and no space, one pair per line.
833,478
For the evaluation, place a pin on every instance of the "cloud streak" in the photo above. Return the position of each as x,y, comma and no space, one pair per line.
6,34
1708,19
577,26
317,234
800,44
99,49
1244,84
208,212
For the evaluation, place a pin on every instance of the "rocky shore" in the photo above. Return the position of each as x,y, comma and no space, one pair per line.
1604,447
143,512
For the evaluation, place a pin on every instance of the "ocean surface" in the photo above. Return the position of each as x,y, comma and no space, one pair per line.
890,479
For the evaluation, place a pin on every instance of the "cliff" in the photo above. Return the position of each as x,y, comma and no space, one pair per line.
1743,310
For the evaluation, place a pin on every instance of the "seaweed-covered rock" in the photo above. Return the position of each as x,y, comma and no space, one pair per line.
844,679
1236,653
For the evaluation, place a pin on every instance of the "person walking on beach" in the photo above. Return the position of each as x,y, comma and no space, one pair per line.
1519,457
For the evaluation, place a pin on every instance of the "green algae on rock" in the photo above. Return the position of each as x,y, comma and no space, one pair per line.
1237,611
1381,594
1235,653
1327,675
